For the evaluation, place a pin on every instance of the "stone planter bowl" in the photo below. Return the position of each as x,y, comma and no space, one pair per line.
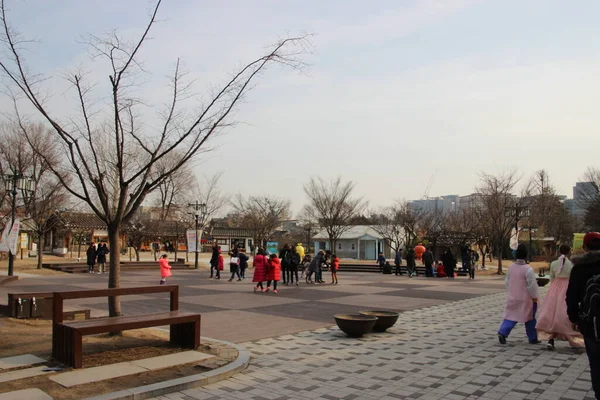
385,319
542,281
355,325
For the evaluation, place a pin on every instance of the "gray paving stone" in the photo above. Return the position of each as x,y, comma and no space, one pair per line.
26,394
20,361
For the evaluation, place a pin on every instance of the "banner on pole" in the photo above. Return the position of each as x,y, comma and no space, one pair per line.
514,239
192,241
13,237
4,240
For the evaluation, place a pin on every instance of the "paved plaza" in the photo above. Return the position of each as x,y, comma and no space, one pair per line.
447,351
444,345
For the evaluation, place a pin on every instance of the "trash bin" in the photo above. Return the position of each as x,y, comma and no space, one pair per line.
21,308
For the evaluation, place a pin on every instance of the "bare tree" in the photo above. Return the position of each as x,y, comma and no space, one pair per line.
589,199
498,200
397,224
261,215
208,192
433,226
35,160
331,206
175,189
113,162
548,214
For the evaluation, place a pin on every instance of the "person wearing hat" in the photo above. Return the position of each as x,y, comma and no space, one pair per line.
586,268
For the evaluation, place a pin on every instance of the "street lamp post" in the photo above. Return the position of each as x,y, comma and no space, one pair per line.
200,210
518,212
13,183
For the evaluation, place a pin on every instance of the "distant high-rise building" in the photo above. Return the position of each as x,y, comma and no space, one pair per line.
582,193
442,204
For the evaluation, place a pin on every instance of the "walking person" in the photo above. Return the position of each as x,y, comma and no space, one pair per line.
101,257
335,265
583,311
474,257
314,265
165,269
553,319
243,264
305,264
260,269
398,262
521,298
428,261
381,261
411,263
214,261
466,261
274,272
91,254
293,268
234,265
285,255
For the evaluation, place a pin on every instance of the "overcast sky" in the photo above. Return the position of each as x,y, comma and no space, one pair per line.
396,90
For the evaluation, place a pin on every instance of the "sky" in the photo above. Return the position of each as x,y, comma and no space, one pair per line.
395,91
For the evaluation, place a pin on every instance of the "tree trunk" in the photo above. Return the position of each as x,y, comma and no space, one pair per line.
114,276
500,272
40,255
137,254
79,249
176,246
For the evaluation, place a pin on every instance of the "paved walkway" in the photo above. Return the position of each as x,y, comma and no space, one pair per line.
447,351
444,345
233,312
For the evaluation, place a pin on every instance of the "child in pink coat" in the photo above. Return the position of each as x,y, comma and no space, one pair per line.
165,269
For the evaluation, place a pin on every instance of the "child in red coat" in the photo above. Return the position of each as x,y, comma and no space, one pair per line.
165,269
274,273
335,265
221,264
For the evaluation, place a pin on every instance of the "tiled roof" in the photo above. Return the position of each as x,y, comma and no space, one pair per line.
353,232
230,232
82,221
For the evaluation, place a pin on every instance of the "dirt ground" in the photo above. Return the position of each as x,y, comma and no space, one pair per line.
35,337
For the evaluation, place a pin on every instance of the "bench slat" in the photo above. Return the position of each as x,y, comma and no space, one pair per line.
115,324
84,294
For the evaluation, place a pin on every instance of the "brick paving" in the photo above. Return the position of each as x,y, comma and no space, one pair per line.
444,345
444,352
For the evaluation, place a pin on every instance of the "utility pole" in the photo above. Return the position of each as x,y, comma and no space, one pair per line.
199,210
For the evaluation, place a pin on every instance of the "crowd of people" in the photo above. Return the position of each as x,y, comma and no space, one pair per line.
288,266
571,308
445,267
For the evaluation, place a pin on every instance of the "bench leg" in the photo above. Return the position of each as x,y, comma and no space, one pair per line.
77,347
186,335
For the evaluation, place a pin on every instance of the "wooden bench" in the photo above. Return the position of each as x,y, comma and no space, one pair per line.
67,336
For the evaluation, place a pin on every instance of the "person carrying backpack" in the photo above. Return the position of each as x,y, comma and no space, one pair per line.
583,302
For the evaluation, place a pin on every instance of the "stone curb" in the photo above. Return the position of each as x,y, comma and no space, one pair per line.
187,382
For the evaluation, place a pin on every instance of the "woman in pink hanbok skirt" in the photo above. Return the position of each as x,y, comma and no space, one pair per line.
553,321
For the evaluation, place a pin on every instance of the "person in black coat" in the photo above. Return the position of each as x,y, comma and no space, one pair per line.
585,269
285,255
91,254
449,263
243,264
214,261
428,261
101,257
